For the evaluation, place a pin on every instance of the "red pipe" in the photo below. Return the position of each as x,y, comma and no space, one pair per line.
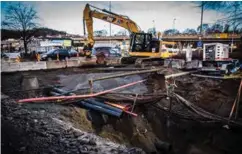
77,96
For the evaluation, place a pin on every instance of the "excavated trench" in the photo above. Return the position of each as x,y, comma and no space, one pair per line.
156,129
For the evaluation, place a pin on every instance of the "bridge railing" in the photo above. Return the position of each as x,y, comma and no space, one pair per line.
178,36
195,36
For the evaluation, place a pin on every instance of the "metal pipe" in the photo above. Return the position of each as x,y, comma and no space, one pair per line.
126,74
78,96
100,109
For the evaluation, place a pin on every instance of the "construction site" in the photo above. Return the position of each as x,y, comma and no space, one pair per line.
156,98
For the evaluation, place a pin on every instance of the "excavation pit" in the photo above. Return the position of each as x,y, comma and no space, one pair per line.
156,128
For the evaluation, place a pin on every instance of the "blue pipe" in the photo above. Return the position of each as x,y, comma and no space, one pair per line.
100,109
52,93
61,91
94,101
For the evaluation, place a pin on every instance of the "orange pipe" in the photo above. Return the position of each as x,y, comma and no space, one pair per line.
115,105
124,108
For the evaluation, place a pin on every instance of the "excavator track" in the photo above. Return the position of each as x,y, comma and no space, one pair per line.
143,62
151,61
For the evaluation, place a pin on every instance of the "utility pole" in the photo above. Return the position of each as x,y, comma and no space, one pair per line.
110,22
110,30
201,25
173,26
154,30
235,12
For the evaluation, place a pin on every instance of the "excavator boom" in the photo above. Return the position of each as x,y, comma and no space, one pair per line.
102,14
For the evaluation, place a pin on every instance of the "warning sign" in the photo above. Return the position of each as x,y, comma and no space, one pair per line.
67,43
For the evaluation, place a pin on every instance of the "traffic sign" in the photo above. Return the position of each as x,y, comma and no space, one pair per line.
199,44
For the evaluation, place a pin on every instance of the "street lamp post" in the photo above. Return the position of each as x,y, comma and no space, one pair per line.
173,26
154,27
110,22
232,42
110,31
201,25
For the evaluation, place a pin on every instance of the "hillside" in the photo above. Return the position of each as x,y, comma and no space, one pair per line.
6,34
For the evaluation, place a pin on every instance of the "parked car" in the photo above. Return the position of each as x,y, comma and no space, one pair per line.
107,51
52,54
12,55
73,53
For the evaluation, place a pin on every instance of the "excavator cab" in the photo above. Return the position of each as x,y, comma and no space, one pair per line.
143,42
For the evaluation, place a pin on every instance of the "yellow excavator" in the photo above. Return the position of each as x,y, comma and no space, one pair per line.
143,48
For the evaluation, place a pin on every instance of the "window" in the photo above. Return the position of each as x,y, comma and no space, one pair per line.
141,42
139,39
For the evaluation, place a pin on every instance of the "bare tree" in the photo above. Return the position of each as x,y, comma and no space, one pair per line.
204,28
189,31
171,32
231,9
121,33
21,18
100,32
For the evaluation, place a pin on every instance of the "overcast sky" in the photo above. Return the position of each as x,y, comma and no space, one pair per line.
67,16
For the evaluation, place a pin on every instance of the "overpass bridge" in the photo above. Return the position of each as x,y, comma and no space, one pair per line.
182,39
179,37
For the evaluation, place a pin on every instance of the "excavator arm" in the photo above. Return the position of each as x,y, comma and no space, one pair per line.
102,14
